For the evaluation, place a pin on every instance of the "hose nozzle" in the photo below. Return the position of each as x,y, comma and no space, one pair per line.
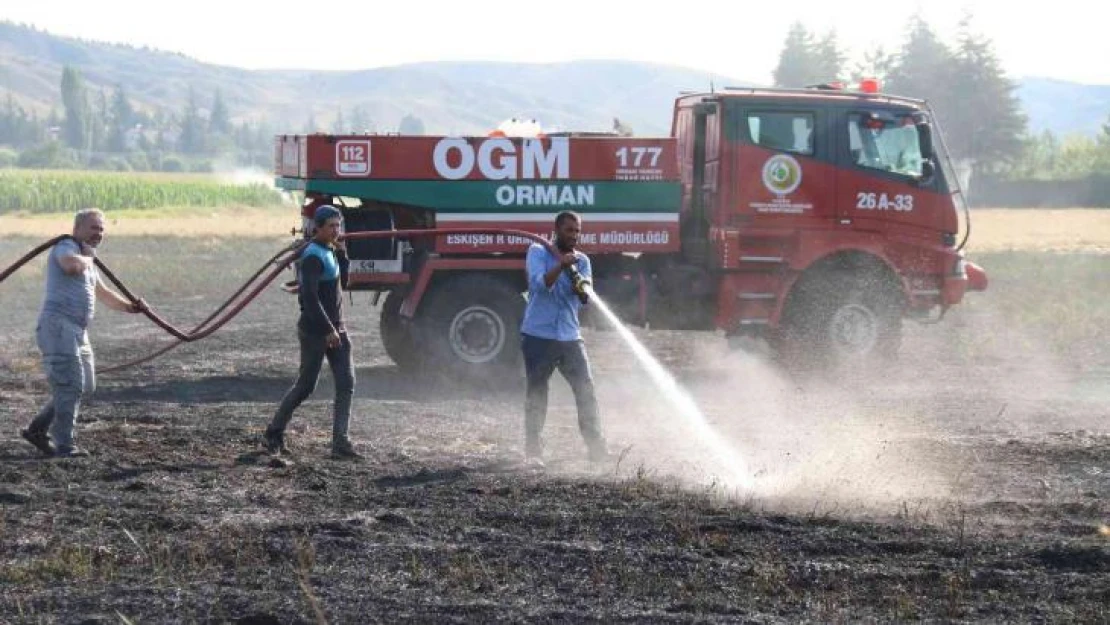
579,283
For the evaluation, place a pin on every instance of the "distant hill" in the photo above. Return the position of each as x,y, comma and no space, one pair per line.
1065,107
448,97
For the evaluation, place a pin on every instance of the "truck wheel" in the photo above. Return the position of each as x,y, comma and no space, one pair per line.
396,333
837,320
470,327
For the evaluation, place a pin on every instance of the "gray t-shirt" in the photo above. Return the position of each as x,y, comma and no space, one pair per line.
73,297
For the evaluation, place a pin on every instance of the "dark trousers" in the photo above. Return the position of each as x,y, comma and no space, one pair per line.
541,358
313,351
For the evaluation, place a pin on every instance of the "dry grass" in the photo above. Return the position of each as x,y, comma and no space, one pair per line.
238,222
1040,230
1040,301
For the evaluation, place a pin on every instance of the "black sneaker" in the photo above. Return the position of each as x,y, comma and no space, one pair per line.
275,442
40,440
343,450
71,452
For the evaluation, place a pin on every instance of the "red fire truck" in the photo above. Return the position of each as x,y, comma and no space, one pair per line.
815,218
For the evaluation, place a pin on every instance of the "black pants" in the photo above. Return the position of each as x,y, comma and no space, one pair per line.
313,351
541,358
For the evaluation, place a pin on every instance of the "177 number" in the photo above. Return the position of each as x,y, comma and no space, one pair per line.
638,154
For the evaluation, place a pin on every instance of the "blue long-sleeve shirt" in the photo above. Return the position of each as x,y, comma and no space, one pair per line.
552,312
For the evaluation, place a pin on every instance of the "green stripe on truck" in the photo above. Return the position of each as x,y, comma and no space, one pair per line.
541,196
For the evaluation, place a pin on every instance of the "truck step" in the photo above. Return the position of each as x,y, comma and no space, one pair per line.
755,307
761,259
754,321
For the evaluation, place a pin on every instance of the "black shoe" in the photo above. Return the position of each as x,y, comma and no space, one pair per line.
40,440
71,452
275,442
343,450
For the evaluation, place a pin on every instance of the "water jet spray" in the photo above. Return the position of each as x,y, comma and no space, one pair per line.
732,470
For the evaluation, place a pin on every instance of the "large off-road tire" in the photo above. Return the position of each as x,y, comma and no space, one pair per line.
838,321
397,333
469,329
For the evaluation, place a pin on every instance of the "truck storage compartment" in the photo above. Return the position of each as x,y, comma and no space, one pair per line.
369,219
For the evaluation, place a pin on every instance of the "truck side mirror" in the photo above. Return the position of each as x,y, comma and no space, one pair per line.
928,171
925,139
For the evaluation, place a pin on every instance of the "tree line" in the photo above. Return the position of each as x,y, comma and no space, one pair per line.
98,129
974,101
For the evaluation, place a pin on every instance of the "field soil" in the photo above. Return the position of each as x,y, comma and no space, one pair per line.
968,483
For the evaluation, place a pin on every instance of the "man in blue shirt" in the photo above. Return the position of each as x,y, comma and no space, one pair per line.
551,338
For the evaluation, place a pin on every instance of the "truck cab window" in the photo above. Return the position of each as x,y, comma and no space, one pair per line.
789,132
886,143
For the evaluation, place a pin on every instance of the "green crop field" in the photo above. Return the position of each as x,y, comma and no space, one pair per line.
46,191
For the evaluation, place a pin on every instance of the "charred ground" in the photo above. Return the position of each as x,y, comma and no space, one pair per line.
968,484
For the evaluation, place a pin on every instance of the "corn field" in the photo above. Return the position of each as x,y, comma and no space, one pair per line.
46,191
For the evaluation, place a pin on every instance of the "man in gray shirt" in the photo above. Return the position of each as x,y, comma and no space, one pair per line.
73,285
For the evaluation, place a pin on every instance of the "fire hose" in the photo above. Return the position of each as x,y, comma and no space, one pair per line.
277,263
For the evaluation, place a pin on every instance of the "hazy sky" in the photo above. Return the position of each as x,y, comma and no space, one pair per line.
1063,39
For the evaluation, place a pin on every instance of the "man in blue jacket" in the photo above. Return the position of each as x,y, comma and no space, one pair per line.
321,332
551,338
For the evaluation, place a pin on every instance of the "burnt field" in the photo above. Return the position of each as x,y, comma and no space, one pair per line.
969,483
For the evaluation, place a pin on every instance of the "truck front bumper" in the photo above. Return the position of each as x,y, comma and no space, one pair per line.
967,277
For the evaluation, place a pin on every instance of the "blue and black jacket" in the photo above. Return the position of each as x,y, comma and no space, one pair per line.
323,277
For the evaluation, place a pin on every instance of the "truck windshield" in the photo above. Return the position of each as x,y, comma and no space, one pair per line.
885,143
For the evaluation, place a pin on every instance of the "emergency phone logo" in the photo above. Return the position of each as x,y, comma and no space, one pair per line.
782,174
352,157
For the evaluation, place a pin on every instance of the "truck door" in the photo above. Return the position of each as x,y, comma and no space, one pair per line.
884,180
704,143
783,169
